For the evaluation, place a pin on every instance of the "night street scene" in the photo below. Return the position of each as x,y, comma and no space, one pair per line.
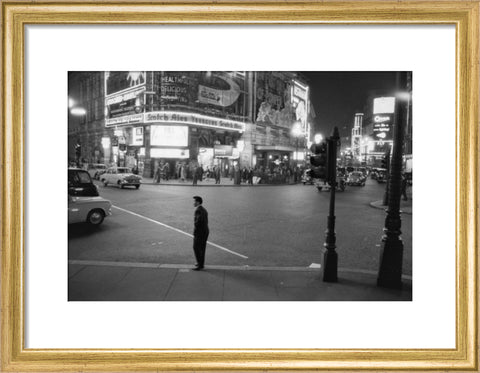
239,186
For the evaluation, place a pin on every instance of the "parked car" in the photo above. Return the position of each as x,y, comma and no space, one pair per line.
375,172
356,178
307,177
84,202
381,176
96,169
340,184
80,183
91,210
121,176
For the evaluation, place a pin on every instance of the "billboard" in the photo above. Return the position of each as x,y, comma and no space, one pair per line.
223,150
215,93
222,90
124,93
384,105
382,127
127,103
168,135
118,81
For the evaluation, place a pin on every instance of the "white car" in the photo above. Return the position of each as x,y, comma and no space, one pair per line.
91,210
96,169
120,176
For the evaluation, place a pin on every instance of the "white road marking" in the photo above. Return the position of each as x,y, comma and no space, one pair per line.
180,231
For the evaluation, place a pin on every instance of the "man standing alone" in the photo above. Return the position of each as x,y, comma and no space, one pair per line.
200,232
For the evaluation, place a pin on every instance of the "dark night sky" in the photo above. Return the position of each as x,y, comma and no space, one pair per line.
337,96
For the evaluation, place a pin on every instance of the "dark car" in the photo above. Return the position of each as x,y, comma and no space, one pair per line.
381,176
356,178
80,183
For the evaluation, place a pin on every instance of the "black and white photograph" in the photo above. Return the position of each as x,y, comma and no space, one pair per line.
240,185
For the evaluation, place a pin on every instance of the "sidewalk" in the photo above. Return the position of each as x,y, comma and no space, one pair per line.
405,206
121,281
224,181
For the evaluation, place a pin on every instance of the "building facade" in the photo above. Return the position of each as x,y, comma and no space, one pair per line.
145,118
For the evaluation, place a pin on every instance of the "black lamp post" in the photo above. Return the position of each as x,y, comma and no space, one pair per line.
390,271
330,257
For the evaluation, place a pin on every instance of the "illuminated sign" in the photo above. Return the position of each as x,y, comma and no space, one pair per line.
106,142
223,150
169,153
169,135
384,105
299,90
137,138
124,97
117,81
125,120
193,119
299,99
380,119
382,127
218,96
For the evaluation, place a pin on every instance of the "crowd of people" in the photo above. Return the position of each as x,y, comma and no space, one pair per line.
194,172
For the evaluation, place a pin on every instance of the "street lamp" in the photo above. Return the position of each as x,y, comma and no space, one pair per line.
318,138
391,257
297,132
80,112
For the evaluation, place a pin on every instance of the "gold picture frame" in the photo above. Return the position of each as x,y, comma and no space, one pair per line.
15,15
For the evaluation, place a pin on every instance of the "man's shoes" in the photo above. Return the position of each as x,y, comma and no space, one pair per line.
198,268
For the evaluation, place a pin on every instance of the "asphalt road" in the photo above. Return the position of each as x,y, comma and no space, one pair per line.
280,226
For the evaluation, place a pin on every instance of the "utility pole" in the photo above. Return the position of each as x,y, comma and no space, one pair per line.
391,258
330,257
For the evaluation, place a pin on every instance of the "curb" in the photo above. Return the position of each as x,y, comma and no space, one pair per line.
378,205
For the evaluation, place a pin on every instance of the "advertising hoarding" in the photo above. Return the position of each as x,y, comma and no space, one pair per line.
215,93
221,90
382,126
193,119
384,105
137,136
118,81
127,103
169,153
223,150
161,135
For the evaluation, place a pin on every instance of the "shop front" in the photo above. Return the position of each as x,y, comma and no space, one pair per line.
273,156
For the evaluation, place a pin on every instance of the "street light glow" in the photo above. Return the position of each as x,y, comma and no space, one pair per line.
405,96
318,138
297,129
78,111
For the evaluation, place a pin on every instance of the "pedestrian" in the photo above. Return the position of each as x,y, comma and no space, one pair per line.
195,175
217,172
183,172
250,176
200,232
167,171
404,187
157,175
200,173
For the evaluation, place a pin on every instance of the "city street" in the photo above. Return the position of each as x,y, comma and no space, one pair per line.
268,226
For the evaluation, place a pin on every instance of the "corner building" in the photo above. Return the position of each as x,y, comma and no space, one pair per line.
223,119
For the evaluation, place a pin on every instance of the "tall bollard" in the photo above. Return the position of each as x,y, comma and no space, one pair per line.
330,257
391,257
